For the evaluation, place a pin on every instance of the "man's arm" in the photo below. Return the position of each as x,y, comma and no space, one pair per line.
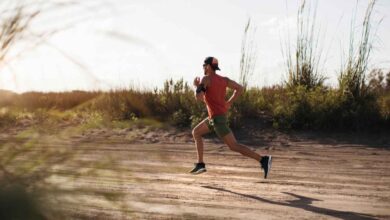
201,88
238,90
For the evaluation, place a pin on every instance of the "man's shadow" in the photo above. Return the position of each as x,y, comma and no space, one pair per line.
303,202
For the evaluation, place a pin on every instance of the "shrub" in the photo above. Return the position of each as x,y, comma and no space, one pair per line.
7,117
324,108
290,108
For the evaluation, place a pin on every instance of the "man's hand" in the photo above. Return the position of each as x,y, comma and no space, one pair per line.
238,90
196,81
228,104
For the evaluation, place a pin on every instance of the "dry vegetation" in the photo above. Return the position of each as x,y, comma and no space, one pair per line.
319,108
358,104
302,103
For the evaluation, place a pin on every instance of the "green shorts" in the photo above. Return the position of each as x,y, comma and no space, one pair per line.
219,125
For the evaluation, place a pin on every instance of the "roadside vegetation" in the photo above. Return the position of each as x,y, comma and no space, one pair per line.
360,102
319,108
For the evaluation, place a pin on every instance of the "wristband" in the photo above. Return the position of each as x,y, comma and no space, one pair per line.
200,88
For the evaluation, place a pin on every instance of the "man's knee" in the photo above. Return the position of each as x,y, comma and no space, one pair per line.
195,134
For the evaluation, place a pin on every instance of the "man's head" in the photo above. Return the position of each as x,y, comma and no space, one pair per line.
210,65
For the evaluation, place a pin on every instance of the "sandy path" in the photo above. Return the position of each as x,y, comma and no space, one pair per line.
112,179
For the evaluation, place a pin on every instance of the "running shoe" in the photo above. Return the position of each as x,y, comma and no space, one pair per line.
199,168
266,163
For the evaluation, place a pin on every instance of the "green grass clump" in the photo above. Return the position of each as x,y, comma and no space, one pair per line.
326,109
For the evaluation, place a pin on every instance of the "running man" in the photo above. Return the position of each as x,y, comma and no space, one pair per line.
212,90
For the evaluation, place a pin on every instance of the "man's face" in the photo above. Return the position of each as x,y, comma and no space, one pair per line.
205,68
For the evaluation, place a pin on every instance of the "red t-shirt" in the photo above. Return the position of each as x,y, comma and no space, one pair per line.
215,96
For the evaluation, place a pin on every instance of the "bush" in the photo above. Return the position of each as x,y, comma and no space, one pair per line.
176,101
322,108
299,107
180,118
7,117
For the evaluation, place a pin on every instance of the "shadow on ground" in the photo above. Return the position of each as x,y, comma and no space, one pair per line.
304,203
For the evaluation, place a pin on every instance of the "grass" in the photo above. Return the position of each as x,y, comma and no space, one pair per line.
352,79
303,62
303,103
320,108
248,53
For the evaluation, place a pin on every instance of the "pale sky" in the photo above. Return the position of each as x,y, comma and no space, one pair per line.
141,43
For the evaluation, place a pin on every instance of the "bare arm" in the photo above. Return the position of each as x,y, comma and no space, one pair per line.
238,90
199,95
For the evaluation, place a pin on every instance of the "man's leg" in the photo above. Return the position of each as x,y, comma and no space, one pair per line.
200,130
265,161
232,143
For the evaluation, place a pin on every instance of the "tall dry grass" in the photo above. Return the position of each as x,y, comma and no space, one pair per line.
304,103
309,104
352,76
291,108
248,53
303,62
174,103
26,25
14,24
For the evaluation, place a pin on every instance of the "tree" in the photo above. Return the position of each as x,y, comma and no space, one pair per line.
376,81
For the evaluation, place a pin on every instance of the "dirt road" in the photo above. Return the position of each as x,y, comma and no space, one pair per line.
113,178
